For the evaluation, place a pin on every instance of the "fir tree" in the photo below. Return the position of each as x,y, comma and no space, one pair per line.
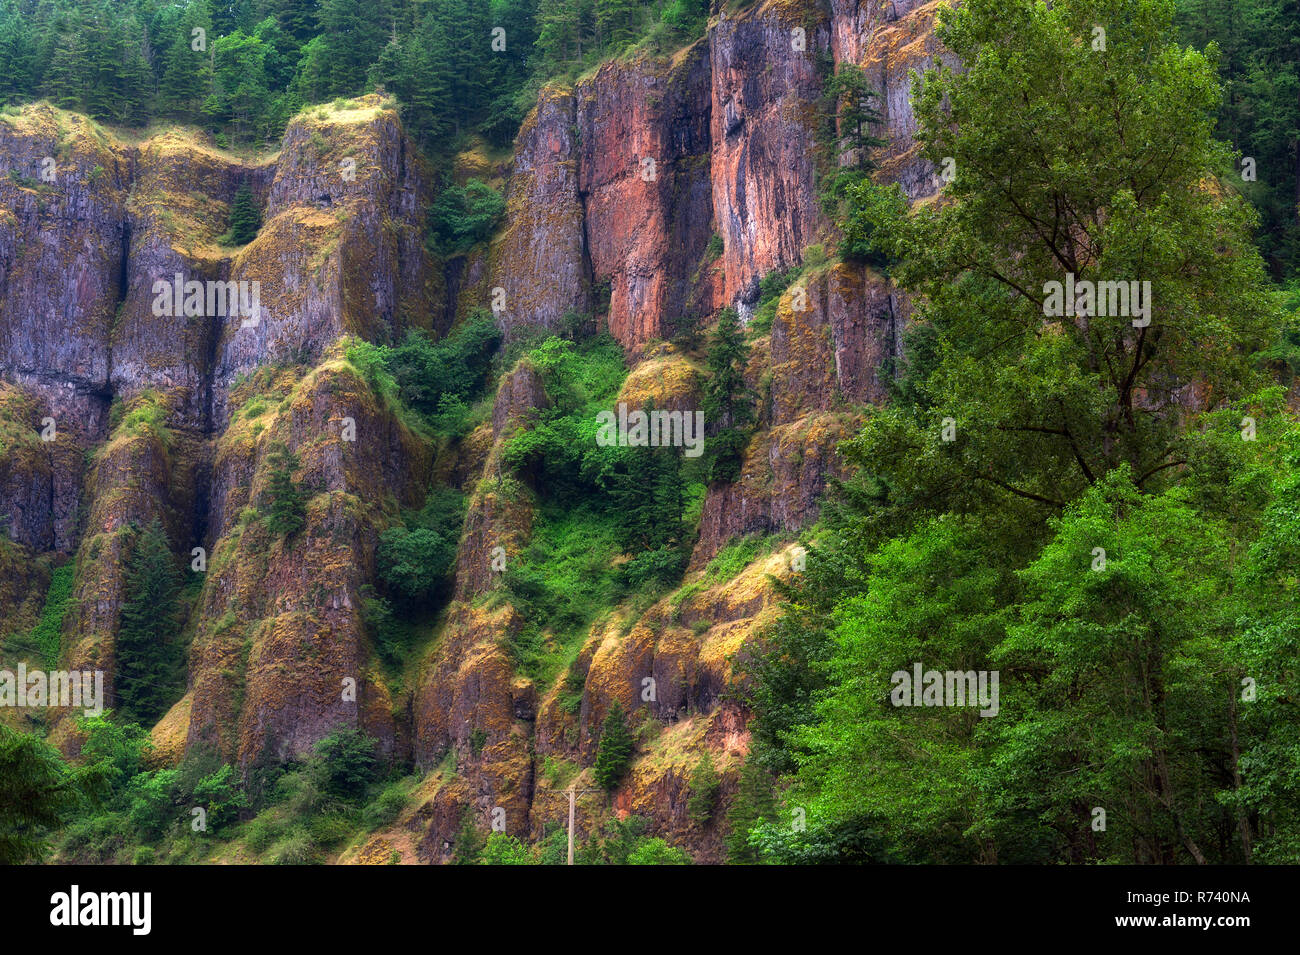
728,404
148,656
244,218
37,794
754,802
614,752
287,509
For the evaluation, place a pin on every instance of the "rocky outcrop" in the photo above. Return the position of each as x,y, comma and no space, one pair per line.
342,249
644,177
82,244
649,195
891,40
539,261
281,657
765,89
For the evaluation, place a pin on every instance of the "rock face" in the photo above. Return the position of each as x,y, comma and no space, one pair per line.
644,177
83,241
540,260
765,89
647,196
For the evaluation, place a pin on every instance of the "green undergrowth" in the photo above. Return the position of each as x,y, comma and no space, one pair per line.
299,813
612,523
434,386
45,640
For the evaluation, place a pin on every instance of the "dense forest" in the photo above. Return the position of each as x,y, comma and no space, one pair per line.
243,69
1102,510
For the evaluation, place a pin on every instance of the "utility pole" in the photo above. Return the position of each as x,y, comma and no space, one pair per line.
572,793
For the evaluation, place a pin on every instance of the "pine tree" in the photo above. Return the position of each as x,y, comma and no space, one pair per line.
616,22
37,795
287,510
186,71
559,36
245,220
148,656
614,752
68,78
727,401
651,496
17,56
849,114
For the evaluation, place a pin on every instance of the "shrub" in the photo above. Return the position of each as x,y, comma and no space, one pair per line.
657,852
296,848
344,763
503,849
262,832
385,808
415,558
463,216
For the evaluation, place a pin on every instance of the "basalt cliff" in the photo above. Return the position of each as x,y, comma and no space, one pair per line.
650,194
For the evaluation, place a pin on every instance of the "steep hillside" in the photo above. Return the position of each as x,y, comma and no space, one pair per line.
648,195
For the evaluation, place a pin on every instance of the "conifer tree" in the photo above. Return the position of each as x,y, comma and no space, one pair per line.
37,794
614,751
287,509
186,71
148,656
728,404
615,22
245,220
754,802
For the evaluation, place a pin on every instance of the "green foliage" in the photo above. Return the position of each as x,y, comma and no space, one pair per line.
385,808
855,841
46,638
728,402
245,220
469,843
464,216
657,852
285,502
434,380
844,145
686,18
754,804
1258,47
150,675
705,788
38,794
503,849
614,751
414,559
736,555
345,764
1121,676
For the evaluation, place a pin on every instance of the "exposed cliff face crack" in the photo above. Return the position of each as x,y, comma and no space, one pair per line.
123,273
